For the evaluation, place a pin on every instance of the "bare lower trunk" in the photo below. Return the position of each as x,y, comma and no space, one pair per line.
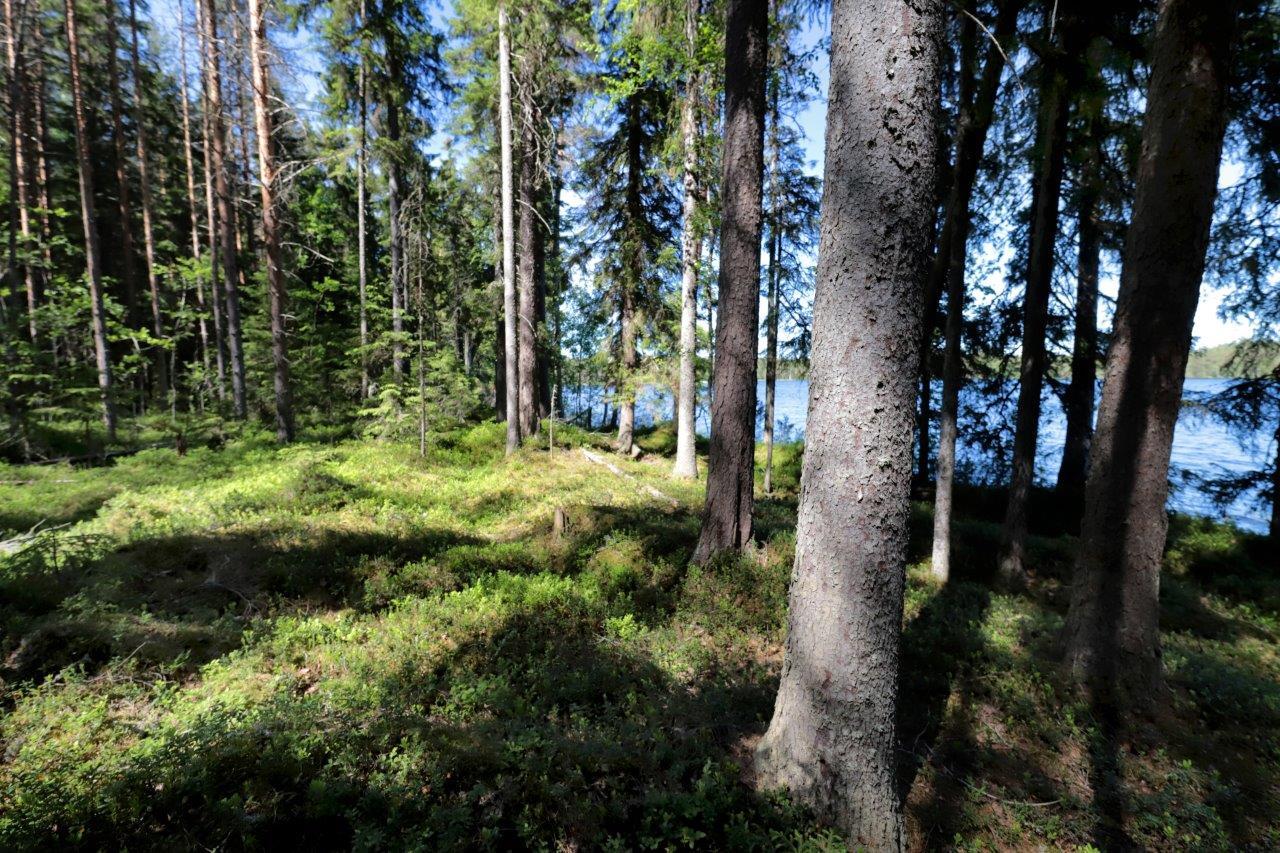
211,210
226,210
93,258
1051,131
278,296
633,260
690,249
1112,633
396,228
726,519
832,740
509,305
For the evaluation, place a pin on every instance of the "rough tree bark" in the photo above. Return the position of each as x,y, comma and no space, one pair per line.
1050,147
526,263
211,208
396,228
362,203
277,293
226,219
511,355
690,251
92,251
977,105
1112,637
726,519
832,740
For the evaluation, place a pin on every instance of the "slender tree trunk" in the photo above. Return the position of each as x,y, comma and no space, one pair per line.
42,146
128,272
398,291
226,208
978,97
93,258
629,284
832,739
1112,630
1079,399
726,520
526,268
1050,146
775,281
144,180
19,161
278,295
362,226
690,252
499,336
511,356
189,162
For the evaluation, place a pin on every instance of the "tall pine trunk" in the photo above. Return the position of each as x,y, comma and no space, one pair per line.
1050,148
92,250
211,209
726,519
226,207
977,105
1112,630
396,227
511,358
278,295
686,464
526,265
832,739
362,203
771,300
193,210
144,184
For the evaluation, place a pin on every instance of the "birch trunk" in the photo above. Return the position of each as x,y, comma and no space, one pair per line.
690,249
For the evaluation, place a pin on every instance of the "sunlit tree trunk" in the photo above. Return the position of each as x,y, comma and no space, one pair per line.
211,210
362,202
19,162
629,283
726,519
277,293
510,351
526,265
1112,631
92,256
771,297
690,249
832,738
226,207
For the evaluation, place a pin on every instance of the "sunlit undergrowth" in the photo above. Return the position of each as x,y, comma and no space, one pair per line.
347,645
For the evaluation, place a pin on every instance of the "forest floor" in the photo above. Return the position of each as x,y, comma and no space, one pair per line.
341,644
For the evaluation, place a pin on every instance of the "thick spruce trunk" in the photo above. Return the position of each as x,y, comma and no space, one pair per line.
832,740
1112,635
726,518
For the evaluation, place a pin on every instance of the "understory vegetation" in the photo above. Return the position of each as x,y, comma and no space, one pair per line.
339,644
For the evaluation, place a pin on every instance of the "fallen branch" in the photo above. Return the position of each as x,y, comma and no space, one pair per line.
644,487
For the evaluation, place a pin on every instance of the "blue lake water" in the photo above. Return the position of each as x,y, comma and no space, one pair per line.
1201,445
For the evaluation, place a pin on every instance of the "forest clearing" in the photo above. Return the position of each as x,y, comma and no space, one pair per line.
344,644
